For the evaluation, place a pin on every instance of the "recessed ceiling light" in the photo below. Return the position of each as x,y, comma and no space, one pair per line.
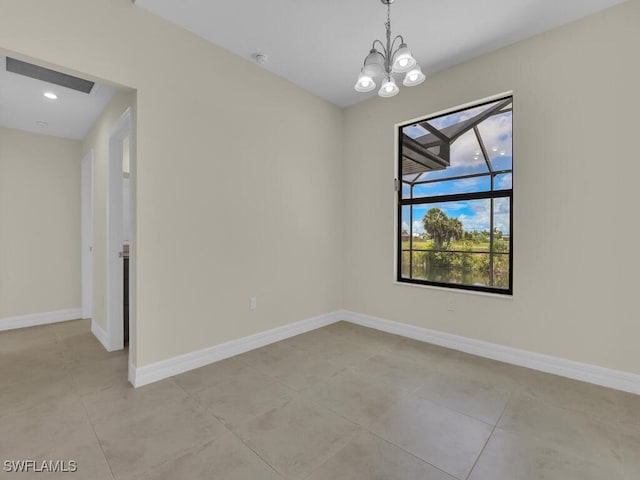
502,152
495,149
40,123
50,95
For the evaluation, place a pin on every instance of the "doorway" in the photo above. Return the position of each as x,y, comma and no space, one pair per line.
118,227
86,229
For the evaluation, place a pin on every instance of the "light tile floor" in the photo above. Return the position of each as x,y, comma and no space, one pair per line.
341,402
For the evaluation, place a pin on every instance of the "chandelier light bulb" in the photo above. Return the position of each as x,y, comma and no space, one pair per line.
374,64
389,88
365,83
403,61
413,77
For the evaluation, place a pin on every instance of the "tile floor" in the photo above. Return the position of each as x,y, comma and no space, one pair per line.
341,402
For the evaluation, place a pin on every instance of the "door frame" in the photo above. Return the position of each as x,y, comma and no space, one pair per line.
114,281
86,233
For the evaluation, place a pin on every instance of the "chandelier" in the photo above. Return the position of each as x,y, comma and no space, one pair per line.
389,60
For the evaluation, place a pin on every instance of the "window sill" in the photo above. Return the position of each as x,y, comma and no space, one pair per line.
501,296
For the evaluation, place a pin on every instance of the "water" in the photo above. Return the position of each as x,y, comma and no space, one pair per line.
422,271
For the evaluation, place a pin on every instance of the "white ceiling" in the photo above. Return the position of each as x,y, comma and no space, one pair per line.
22,105
320,44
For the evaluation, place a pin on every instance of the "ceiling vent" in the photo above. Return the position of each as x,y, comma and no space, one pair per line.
47,75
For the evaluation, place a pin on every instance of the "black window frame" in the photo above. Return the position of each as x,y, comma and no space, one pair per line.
425,200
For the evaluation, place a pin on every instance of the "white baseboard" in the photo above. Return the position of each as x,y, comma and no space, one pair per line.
619,380
139,376
44,318
100,334
146,374
131,373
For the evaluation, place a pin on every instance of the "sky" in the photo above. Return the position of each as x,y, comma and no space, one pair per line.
474,214
467,158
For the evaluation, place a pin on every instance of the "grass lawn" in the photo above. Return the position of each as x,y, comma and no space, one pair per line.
459,245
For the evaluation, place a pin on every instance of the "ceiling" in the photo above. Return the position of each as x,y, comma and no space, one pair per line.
24,107
320,44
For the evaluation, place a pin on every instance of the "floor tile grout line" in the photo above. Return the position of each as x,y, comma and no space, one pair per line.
86,412
348,440
268,375
623,467
298,394
227,428
484,447
581,416
415,395
575,413
455,411
208,413
194,396
332,412
617,430
366,428
93,428
621,432
342,368
400,447
328,409
254,370
448,407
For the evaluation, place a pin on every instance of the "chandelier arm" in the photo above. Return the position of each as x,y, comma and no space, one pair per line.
384,51
395,48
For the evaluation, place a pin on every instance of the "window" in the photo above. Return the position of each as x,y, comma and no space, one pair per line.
455,199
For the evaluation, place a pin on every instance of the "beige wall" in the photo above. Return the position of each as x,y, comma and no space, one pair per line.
39,223
97,140
245,187
576,167
238,185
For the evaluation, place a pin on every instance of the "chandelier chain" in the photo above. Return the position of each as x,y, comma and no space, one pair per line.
389,46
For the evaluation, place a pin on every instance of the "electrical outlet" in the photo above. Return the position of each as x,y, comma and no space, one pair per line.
451,306
253,303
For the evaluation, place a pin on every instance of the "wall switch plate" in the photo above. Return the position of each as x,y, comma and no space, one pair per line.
253,303
451,306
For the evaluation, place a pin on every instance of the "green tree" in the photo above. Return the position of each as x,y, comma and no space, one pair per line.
441,228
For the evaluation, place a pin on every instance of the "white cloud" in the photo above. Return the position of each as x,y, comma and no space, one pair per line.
501,205
468,184
479,221
501,215
463,153
504,182
452,207
466,153
496,133
418,227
